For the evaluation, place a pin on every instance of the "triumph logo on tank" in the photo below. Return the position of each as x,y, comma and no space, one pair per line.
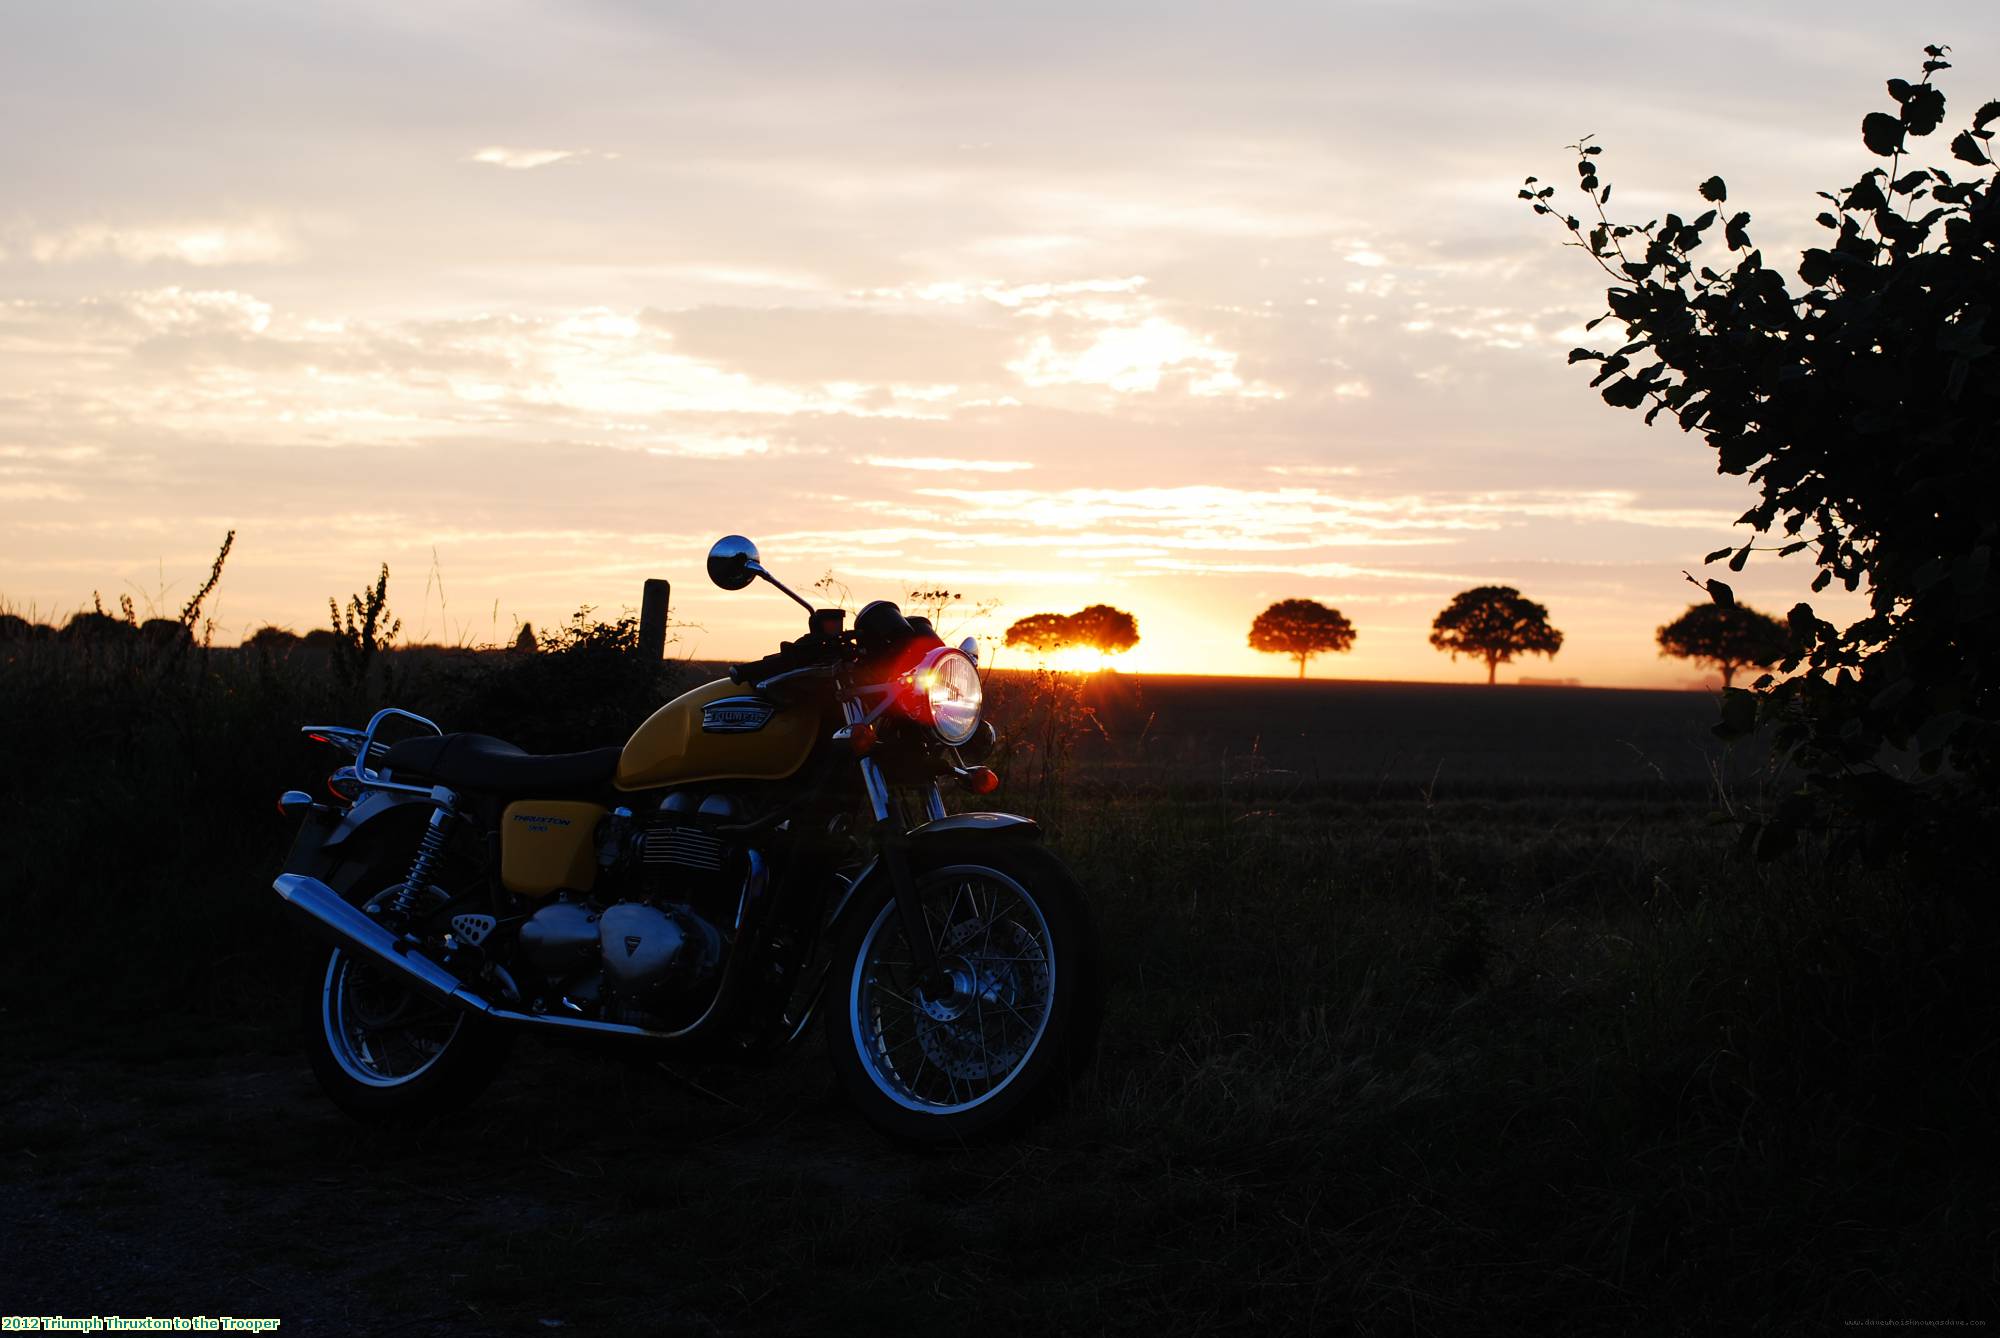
736,716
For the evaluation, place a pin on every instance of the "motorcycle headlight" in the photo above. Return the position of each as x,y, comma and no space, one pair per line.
948,693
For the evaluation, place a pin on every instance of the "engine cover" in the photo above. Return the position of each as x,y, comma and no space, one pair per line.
654,953
560,940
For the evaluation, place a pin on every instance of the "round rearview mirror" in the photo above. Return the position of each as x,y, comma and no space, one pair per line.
732,563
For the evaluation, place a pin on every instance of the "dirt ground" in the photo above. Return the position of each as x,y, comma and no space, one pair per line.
176,1175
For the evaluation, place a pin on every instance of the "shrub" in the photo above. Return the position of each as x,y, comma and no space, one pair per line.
1861,403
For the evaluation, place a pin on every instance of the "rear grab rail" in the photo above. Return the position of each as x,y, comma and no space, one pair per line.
368,775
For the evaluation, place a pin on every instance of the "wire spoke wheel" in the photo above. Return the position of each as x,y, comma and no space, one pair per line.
379,1032
950,1041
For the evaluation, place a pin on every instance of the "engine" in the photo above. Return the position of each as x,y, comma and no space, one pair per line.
647,947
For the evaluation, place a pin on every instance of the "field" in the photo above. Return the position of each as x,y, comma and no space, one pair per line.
1435,1010
1384,740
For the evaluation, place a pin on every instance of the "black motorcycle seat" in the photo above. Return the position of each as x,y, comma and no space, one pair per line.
482,762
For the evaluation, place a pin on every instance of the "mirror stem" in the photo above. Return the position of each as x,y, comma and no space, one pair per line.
758,569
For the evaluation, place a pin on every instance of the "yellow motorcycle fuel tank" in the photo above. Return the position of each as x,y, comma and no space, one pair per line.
718,731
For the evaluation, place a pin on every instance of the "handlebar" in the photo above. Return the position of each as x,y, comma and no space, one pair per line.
812,651
793,675
756,670
880,630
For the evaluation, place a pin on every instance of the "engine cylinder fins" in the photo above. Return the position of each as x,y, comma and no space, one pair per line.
684,846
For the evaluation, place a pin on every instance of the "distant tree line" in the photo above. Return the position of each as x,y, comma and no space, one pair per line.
1493,623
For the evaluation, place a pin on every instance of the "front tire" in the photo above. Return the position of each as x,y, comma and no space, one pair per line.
385,1054
1010,1018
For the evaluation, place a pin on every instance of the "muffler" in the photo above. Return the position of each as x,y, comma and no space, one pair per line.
354,931
348,926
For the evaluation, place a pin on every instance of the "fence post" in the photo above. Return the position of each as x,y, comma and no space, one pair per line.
653,620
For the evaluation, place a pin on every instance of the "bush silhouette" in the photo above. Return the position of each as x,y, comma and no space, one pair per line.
367,630
276,639
95,625
1861,402
13,627
166,633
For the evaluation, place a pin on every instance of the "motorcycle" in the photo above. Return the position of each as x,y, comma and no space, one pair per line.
765,848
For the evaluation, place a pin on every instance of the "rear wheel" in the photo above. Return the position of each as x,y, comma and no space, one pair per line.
385,1052
991,1037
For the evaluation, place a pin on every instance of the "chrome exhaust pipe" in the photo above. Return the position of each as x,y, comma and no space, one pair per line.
354,931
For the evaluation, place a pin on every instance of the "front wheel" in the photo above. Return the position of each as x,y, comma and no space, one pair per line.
997,1031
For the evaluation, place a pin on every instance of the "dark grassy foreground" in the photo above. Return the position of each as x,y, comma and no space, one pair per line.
1384,1055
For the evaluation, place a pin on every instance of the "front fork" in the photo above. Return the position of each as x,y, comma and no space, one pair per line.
894,844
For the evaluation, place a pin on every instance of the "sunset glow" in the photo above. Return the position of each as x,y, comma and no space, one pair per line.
950,297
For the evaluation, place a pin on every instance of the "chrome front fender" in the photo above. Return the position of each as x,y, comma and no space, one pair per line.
958,830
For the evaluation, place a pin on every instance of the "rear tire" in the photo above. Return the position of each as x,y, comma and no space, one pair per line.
385,1054
995,1040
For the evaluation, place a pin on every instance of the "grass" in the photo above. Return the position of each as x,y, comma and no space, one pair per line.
1404,1052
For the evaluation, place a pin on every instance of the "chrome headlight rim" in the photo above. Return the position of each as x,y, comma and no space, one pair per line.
949,695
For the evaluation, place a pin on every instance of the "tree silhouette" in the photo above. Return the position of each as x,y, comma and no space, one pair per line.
1727,636
1040,632
525,642
1103,628
1100,627
1301,628
1494,623
1860,401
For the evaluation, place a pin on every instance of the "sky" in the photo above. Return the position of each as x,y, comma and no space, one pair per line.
1184,308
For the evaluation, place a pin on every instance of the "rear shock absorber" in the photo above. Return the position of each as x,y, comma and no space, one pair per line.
430,854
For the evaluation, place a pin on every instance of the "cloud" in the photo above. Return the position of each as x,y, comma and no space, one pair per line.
1616,506
223,362
524,160
1137,358
865,343
37,492
1030,298
180,310
713,448
253,242
938,464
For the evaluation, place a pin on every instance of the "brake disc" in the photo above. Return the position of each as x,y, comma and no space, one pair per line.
999,985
